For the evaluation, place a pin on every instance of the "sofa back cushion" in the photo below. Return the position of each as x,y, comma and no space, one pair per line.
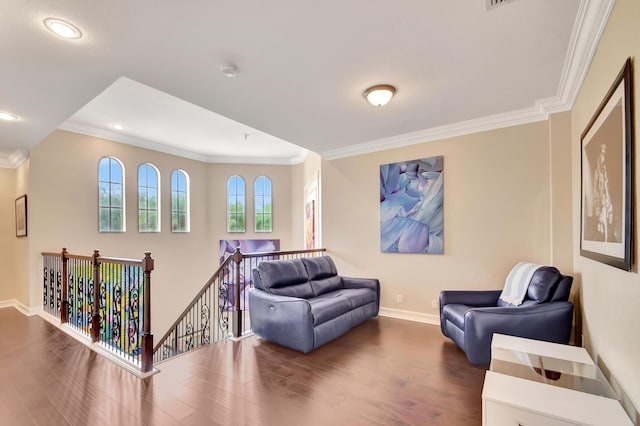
283,277
563,290
323,274
543,284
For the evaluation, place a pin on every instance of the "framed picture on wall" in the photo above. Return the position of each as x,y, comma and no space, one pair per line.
412,206
607,183
21,216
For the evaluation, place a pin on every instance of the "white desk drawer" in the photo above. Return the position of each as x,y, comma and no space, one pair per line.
503,415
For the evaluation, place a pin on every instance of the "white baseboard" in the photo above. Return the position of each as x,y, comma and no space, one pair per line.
13,303
410,315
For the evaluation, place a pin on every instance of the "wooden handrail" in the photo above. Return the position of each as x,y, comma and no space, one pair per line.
280,253
122,261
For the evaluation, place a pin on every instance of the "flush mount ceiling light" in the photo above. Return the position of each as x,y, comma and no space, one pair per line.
380,94
117,126
229,70
7,116
63,28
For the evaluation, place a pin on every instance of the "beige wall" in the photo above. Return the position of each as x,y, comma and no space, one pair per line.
560,145
610,297
21,247
8,287
303,176
63,212
496,213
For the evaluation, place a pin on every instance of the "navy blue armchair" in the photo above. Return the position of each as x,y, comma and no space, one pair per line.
470,318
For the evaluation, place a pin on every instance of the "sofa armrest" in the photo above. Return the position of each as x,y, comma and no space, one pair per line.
282,319
480,298
371,283
551,322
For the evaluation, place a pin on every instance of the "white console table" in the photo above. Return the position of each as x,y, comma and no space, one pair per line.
531,382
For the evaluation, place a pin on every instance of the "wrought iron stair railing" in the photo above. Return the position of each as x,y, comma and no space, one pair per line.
116,312
220,310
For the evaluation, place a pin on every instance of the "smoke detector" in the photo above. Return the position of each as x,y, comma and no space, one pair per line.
495,3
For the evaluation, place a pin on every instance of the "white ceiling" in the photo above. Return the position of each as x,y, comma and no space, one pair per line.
154,67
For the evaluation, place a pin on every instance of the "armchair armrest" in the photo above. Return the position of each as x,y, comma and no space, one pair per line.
547,321
479,298
282,319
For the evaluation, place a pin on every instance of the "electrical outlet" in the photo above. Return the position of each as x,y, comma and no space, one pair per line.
434,304
399,298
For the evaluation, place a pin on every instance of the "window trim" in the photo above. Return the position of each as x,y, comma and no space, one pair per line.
110,207
244,203
158,210
255,199
187,201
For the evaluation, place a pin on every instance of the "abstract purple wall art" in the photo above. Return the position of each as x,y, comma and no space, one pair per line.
411,206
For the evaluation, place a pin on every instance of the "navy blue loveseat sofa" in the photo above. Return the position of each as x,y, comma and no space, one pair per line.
303,303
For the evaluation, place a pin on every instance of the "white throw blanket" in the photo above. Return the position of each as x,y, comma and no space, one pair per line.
517,283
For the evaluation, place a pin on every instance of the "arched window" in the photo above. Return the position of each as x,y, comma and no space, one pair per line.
179,201
263,205
111,195
235,204
148,198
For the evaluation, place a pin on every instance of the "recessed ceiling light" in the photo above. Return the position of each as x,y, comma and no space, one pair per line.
379,95
117,126
63,28
7,116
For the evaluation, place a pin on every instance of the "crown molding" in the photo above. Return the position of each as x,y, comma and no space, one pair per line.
492,122
590,23
71,126
14,159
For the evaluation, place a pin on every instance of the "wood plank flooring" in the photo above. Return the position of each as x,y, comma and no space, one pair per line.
383,372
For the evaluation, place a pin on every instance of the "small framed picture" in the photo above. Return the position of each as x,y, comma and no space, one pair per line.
21,216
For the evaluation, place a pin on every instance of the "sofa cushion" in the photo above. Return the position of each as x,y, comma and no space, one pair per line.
325,285
284,278
319,267
328,306
358,296
323,275
543,284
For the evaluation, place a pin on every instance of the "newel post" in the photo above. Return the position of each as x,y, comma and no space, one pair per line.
95,309
147,337
237,311
64,303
